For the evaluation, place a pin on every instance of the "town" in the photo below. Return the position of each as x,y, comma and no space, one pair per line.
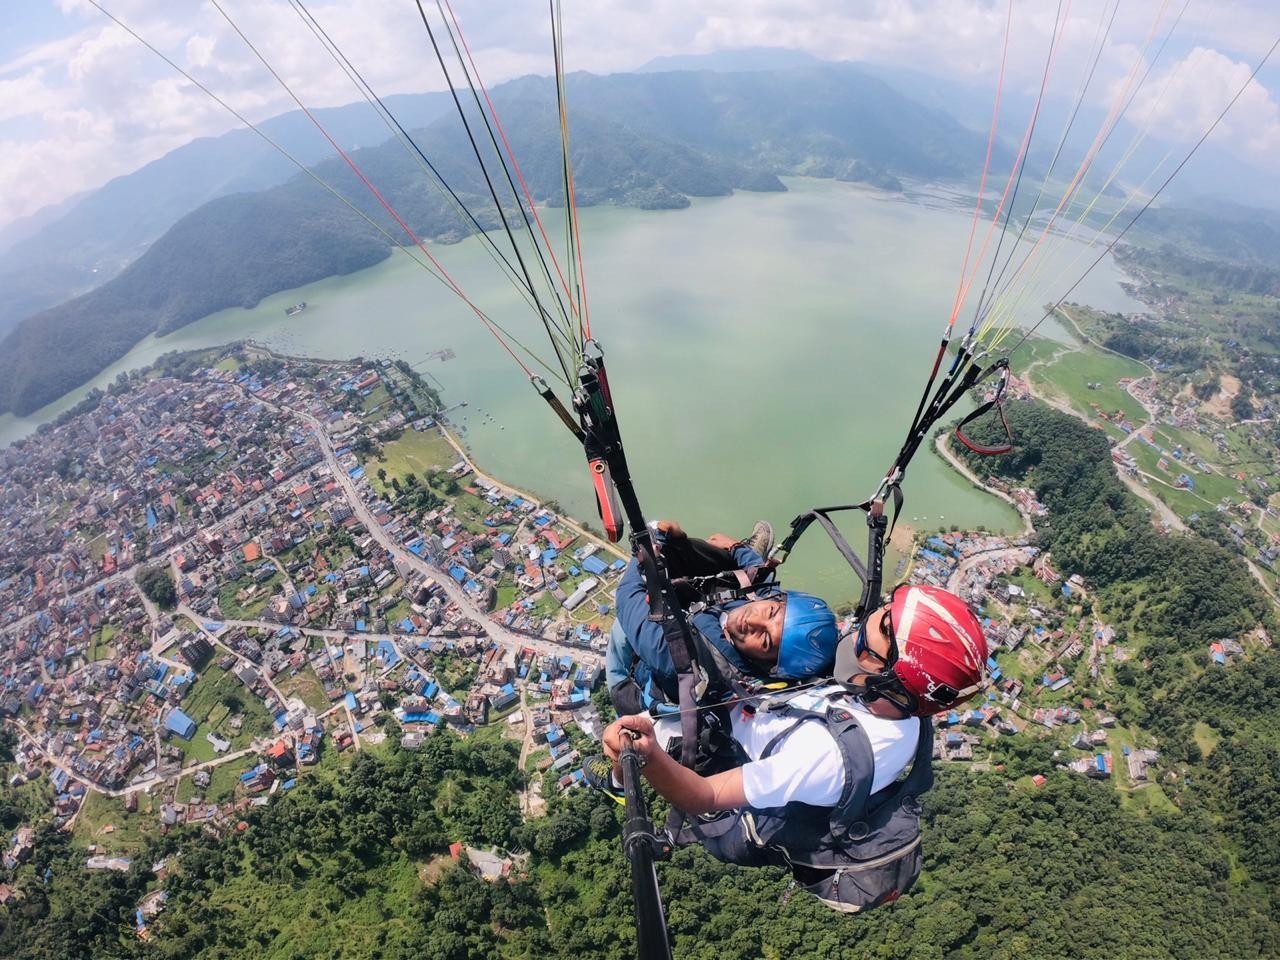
230,573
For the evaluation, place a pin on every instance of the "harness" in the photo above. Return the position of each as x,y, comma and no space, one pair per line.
857,854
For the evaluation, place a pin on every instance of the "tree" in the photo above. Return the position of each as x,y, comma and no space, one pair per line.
157,583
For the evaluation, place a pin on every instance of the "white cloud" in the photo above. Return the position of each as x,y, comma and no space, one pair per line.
1189,96
94,104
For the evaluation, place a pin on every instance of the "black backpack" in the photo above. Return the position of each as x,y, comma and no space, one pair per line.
861,853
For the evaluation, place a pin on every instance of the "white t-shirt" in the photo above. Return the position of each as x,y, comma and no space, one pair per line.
806,766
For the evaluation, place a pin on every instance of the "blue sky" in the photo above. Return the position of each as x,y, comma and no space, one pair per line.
81,102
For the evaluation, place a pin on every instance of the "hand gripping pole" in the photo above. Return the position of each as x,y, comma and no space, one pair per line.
643,848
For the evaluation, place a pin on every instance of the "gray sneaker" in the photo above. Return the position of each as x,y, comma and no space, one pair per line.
761,539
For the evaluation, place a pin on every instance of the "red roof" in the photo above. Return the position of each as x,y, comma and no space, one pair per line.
455,850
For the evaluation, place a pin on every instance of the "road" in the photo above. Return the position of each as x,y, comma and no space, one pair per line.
944,449
213,638
497,632
137,785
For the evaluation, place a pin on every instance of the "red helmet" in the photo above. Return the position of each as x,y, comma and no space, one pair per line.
942,653
937,657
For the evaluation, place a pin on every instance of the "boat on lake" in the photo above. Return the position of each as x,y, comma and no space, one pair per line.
296,309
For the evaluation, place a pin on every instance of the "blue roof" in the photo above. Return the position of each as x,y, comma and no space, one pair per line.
542,521
179,723
458,573
594,565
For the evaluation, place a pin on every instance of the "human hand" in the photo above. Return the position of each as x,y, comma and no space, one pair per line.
637,730
723,541
670,528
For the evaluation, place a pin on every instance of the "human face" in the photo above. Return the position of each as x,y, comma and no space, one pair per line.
755,629
874,641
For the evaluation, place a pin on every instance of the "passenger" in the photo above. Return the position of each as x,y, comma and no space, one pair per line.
776,635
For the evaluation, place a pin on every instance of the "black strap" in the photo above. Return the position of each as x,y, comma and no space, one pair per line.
870,573
997,402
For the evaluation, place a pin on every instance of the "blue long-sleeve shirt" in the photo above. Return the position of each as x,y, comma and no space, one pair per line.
646,639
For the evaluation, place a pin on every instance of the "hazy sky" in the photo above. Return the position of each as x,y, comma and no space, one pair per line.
81,101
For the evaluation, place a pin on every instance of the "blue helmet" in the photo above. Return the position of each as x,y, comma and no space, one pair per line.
809,637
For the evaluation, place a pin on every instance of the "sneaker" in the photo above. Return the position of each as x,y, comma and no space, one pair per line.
761,539
597,771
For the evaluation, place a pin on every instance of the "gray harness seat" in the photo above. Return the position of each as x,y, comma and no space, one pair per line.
859,854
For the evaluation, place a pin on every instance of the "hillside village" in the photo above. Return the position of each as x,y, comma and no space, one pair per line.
223,577
308,611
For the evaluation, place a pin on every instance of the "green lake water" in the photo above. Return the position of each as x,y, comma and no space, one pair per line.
766,353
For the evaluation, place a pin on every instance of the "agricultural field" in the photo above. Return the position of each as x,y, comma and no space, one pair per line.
232,609
214,696
102,820
1069,377
100,648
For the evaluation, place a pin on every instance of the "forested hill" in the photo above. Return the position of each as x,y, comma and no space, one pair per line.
647,141
94,238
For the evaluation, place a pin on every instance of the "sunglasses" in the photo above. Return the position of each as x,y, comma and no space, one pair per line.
862,648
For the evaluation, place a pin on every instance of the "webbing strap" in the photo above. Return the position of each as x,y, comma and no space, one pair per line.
997,402
870,573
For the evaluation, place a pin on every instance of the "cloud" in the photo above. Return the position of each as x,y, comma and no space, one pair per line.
93,104
1186,99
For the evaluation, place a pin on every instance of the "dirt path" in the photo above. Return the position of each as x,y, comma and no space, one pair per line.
944,450
586,534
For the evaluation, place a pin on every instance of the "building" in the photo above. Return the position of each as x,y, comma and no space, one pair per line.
195,650
576,598
179,723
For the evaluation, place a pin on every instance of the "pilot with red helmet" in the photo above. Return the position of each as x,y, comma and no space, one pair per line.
834,748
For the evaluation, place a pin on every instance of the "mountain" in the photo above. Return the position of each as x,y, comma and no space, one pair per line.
647,141
80,245
809,120
235,250
733,61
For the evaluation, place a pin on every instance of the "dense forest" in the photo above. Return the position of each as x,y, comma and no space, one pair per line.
648,141
353,867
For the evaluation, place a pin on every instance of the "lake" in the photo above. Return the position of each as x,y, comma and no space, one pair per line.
766,353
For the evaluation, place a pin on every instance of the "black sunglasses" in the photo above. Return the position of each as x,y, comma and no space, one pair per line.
861,647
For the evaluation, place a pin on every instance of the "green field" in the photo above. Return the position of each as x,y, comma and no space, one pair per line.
223,779
417,451
100,648
1070,376
307,687
1206,737
128,830
230,606
228,365
376,398
208,705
